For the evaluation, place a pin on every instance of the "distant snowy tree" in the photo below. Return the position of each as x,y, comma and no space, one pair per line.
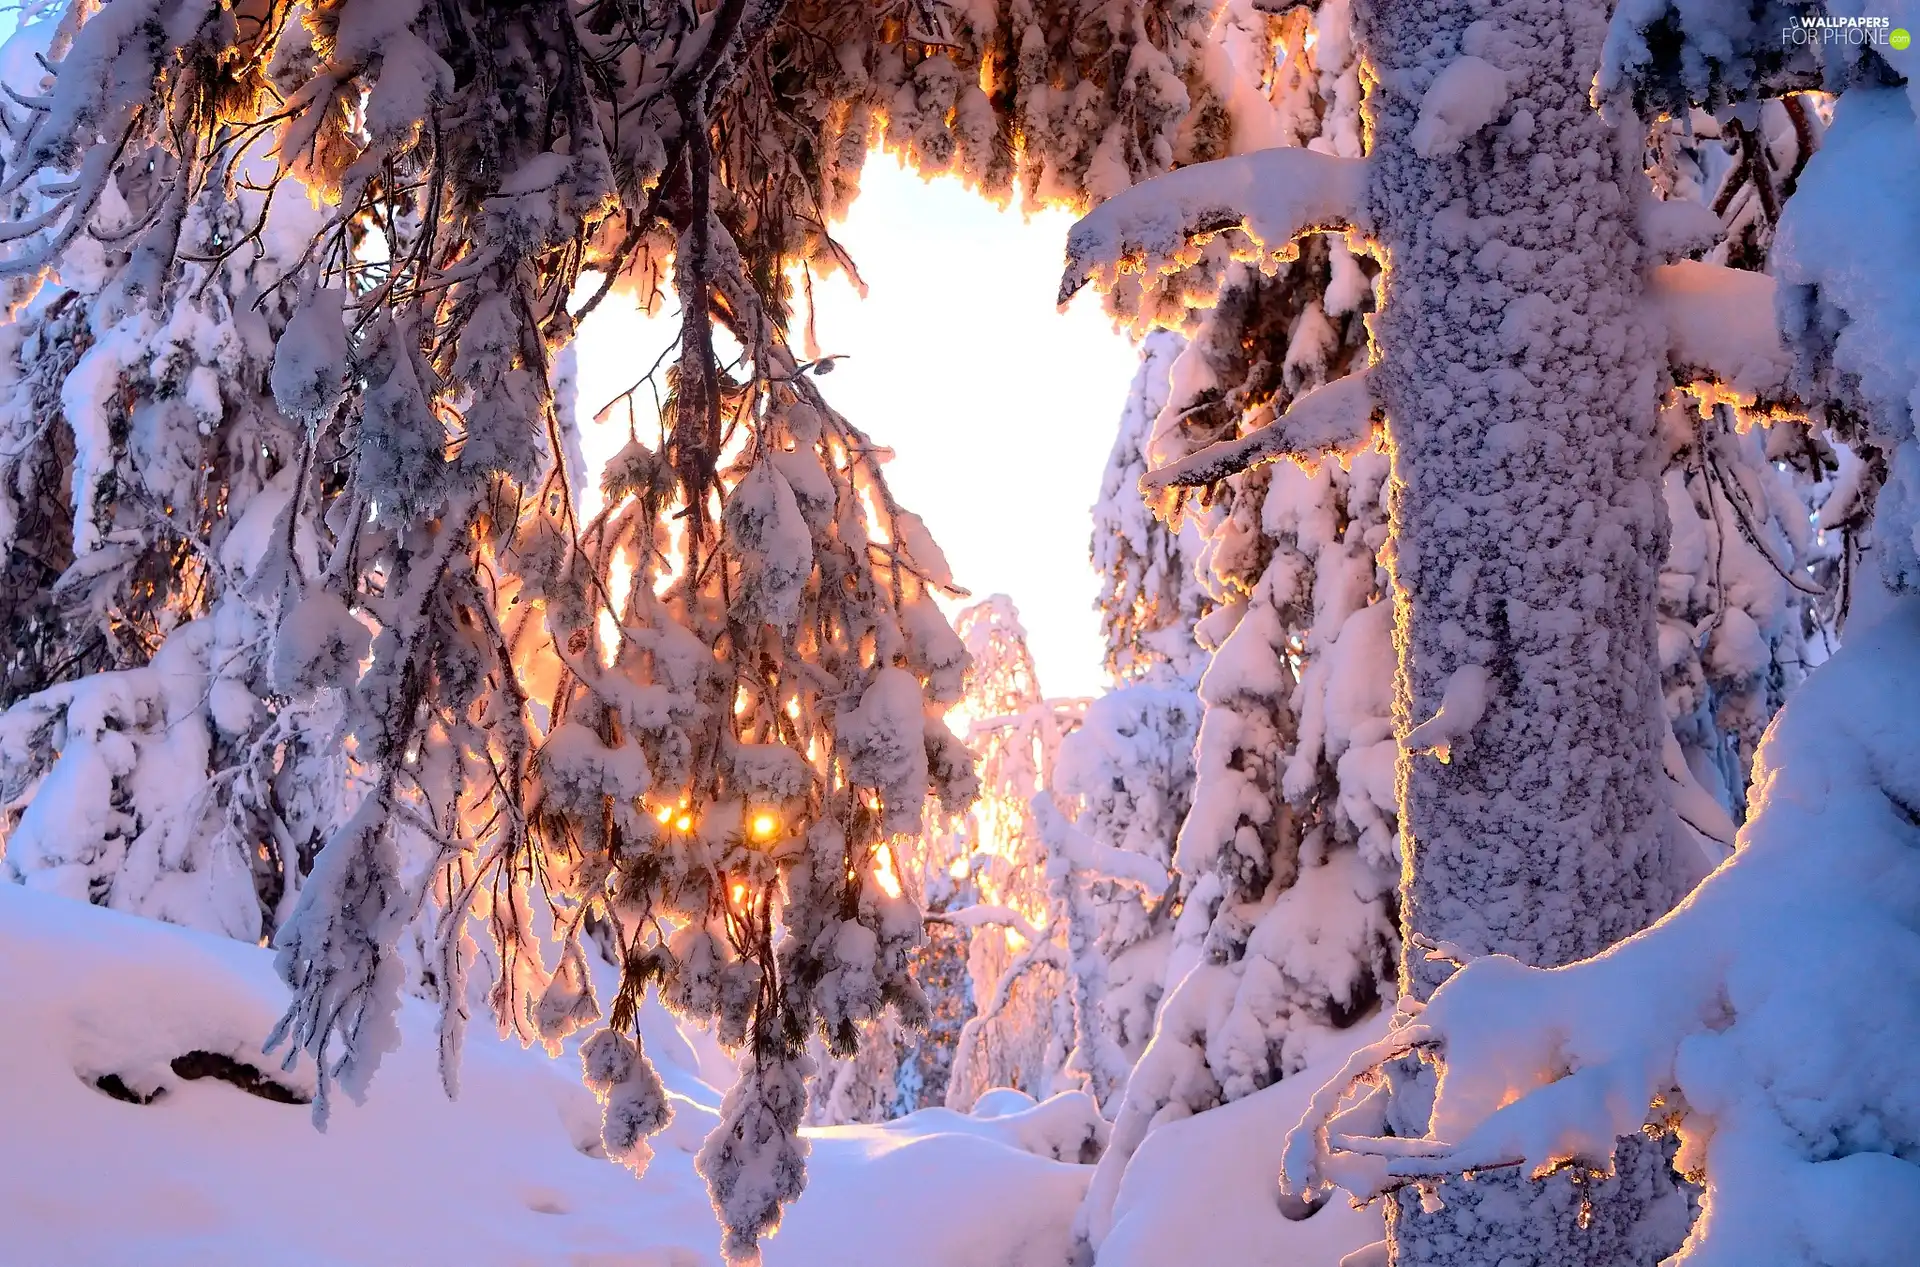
1065,859
1021,1029
924,1061
1150,597
1126,776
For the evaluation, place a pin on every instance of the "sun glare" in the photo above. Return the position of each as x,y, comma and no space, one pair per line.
883,873
992,297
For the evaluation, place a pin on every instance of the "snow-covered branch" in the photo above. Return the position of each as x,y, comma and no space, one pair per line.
1722,336
1273,196
1463,702
971,917
1769,1020
1085,854
1336,419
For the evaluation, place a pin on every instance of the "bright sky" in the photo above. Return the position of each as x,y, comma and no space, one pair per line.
1001,410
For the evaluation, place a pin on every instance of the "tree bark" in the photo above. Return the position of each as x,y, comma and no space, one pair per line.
1519,374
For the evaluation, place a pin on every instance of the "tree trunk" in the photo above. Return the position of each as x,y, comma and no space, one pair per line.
1519,377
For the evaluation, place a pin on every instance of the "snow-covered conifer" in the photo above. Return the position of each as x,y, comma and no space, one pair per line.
1021,1028
1150,598
1523,519
1755,1021
147,486
1288,856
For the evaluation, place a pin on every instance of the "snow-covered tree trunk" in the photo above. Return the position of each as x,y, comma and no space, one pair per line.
1518,374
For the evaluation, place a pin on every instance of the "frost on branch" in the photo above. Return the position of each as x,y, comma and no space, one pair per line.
1723,337
1336,420
1463,702
1467,95
1769,1021
1271,197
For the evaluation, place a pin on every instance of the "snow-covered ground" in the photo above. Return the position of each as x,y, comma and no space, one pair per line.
509,1174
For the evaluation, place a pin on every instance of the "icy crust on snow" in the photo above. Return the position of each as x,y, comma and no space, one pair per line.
1774,1014
511,1173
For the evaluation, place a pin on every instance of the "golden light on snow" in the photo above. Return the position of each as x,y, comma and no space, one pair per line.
764,826
883,873
683,823
619,585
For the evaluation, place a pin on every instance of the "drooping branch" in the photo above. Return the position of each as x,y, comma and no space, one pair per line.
1273,197
1334,420
1723,341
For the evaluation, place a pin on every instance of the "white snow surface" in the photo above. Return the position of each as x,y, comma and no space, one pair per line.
209,1174
512,1174
1775,1009
1227,1159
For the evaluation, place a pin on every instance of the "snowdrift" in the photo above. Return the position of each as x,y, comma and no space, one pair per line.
146,1128
103,1009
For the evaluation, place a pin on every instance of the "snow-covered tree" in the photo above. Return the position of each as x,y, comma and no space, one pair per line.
1150,598
1064,864
1288,858
1126,775
1021,1030
1531,320
150,761
1760,1020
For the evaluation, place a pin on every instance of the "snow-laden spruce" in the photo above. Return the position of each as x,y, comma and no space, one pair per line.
1150,598
766,711
1519,358
1767,1022
1285,936
1760,1020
